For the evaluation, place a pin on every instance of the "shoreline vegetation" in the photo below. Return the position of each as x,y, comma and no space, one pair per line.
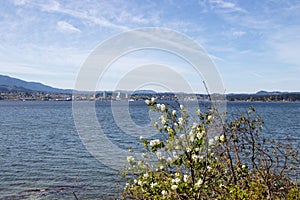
184,162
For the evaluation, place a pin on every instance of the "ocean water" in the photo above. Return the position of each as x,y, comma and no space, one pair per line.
43,157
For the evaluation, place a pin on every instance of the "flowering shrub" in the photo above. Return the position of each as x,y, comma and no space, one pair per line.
185,163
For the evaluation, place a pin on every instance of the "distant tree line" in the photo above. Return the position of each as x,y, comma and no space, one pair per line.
266,97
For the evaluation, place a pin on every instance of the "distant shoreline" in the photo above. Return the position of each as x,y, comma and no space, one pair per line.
62,100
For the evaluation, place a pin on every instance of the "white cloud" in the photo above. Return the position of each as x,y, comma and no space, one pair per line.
286,44
20,2
238,33
67,27
52,6
126,16
83,15
226,6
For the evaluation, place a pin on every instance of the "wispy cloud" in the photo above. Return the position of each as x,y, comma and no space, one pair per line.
121,16
226,6
48,37
285,43
20,2
67,27
238,33
83,15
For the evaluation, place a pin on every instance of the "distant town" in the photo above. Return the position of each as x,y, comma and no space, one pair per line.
13,89
141,95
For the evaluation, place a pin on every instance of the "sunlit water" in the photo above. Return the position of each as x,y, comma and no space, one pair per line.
42,156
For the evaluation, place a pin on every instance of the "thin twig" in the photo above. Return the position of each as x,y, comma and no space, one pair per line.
75,196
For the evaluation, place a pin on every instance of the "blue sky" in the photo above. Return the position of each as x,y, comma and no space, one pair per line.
255,44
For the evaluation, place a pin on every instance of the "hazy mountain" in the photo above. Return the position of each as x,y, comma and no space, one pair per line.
5,88
10,84
144,92
35,86
262,92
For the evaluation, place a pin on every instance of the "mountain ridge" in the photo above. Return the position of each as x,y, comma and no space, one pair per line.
11,84
33,86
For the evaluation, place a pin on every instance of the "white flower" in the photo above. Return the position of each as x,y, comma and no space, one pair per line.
144,155
194,125
222,138
175,155
130,159
243,166
161,167
130,150
176,180
140,163
146,175
159,155
200,134
154,142
208,168
199,182
174,112
158,106
188,149
163,120
182,136
155,124
217,137
140,182
209,117
198,112
211,142
194,157
162,107
164,192
135,181
141,137
147,102
153,99
185,178
192,136
180,121
152,185
174,187
181,107
169,159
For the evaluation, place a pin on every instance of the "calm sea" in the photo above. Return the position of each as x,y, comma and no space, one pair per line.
42,156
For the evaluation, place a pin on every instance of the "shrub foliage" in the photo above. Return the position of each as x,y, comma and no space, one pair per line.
186,162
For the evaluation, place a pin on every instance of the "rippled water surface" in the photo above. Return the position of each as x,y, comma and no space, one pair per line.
42,156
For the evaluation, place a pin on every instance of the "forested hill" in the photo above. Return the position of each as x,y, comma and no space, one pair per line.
13,83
